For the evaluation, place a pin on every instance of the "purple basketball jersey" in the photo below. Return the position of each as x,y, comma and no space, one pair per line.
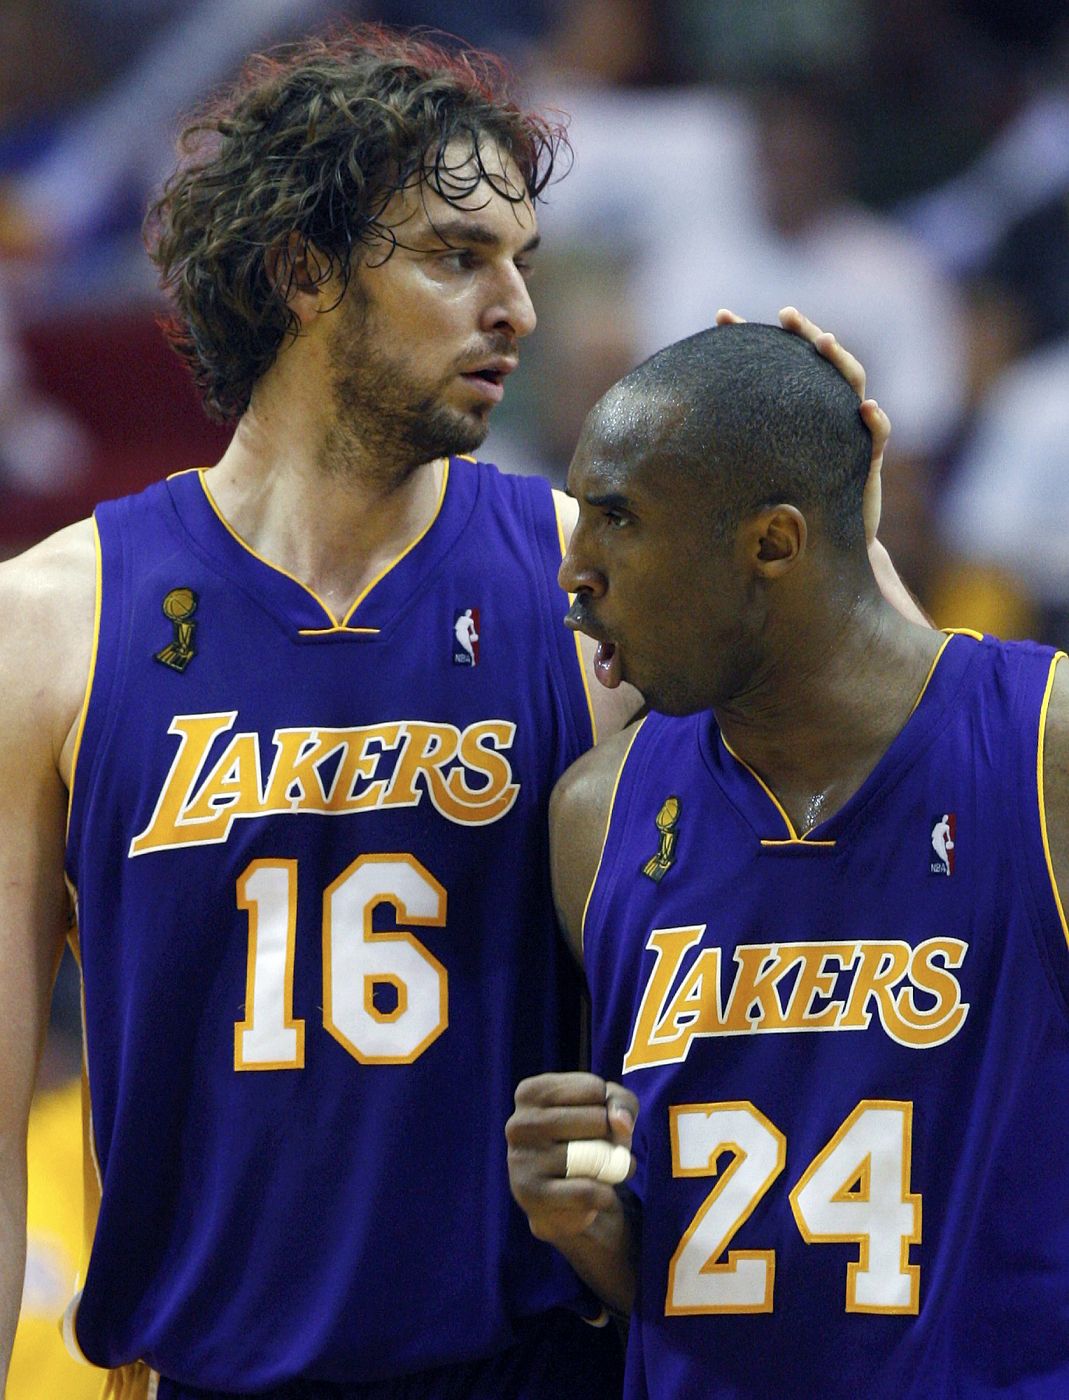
851,1052
317,941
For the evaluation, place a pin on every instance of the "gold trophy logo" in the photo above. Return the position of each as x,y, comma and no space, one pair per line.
179,606
667,820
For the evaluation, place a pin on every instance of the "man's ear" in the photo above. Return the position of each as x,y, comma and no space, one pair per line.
298,271
775,540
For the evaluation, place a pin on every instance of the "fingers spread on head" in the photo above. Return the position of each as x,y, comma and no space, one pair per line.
791,319
875,419
724,317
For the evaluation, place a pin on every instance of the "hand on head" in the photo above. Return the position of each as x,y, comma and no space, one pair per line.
853,371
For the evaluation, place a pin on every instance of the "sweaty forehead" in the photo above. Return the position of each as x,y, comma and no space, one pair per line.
467,178
622,437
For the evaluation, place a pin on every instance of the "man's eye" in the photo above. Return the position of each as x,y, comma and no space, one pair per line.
616,520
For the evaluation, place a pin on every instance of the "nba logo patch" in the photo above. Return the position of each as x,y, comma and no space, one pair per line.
466,637
944,841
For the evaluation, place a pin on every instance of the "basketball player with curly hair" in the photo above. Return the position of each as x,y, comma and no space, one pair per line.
295,828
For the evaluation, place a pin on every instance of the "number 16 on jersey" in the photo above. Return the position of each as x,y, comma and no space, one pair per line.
357,963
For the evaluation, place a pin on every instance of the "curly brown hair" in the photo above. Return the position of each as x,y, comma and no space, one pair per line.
301,159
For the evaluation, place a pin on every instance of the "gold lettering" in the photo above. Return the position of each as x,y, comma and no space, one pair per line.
695,1008
670,946
494,800
815,980
195,809
231,789
196,736
882,966
668,1021
755,982
357,763
428,747
945,1018
297,752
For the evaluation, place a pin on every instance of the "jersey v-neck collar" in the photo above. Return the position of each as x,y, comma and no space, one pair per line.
759,806
297,608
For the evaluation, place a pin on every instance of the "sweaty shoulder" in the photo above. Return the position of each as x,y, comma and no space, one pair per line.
1056,777
578,818
47,600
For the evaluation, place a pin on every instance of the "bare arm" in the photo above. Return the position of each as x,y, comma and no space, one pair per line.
46,601
589,1221
1056,779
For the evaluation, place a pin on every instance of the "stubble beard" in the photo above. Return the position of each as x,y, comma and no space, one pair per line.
386,424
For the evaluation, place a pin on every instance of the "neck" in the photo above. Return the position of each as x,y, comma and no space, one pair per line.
825,709
333,525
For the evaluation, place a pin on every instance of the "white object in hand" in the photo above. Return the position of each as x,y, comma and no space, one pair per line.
605,1161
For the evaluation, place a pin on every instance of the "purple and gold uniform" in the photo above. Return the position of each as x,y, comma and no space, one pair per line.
317,942
851,1053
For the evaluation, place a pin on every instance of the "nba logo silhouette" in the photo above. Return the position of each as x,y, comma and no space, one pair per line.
944,842
466,637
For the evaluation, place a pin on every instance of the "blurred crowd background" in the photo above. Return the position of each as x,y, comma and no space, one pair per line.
899,169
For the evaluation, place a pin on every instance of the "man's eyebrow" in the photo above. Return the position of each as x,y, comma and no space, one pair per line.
456,232
613,500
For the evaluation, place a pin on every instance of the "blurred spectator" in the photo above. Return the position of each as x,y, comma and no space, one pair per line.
963,221
725,42
933,88
1008,505
1032,261
92,181
44,450
807,242
634,146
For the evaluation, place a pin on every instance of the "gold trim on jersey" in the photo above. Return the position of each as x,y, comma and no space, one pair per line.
605,834
330,631
1040,748
336,624
584,677
92,1181
792,838
99,570
950,632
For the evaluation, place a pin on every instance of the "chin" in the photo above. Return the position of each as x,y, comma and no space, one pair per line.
447,433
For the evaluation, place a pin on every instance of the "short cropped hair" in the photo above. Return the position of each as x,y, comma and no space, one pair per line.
758,415
305,153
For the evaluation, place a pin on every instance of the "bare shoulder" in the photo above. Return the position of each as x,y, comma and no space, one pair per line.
63,561
47,600
578,818
1056,776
